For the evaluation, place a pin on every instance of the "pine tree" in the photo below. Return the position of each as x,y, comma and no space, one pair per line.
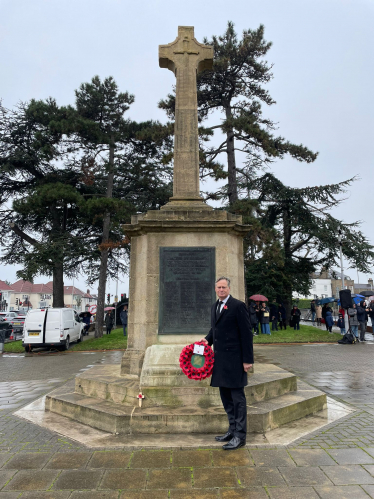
303,237
117,149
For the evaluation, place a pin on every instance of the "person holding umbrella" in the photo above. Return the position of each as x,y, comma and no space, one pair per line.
109,321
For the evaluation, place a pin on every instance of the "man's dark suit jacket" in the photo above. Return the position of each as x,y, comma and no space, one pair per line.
231,337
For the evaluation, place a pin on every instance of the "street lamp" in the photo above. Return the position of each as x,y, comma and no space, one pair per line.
341,257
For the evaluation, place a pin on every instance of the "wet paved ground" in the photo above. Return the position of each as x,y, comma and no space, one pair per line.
337,462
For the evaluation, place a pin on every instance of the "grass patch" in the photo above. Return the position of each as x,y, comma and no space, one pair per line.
306,334
113,341
14,347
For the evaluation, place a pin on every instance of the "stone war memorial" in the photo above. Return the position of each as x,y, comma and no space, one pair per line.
177,253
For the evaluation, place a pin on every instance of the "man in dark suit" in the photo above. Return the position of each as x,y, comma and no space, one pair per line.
231,337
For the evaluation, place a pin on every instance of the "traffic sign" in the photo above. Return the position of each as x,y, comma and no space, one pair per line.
92,309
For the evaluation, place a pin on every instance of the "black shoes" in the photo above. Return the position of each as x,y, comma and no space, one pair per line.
225,438
235,443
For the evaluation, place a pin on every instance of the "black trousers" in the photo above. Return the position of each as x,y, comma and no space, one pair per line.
235,405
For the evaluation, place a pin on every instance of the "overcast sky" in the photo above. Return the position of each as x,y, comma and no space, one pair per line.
323,72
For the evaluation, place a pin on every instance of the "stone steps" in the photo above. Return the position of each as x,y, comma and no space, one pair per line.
118,418
105,382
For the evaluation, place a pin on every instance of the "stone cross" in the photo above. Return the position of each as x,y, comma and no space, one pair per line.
186,57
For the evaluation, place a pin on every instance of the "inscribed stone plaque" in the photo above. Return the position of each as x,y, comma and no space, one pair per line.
187,278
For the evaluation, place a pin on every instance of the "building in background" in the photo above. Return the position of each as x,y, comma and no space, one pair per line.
77,299
5,296
24,295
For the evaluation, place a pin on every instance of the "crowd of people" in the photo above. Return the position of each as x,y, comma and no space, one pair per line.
261,315
358,317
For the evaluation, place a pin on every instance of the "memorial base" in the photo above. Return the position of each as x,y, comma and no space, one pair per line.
105,400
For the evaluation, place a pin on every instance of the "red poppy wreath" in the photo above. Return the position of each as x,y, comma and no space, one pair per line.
197,366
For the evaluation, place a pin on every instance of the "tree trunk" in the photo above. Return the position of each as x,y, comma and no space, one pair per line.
231,164
104,251
287,300
58,263
58,285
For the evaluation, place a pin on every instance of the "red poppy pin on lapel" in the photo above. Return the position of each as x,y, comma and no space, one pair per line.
225,307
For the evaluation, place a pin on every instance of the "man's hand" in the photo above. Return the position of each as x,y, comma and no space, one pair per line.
247,367
204,341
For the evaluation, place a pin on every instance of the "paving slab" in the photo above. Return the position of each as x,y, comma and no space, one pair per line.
110,459
170,479
50,494
351,456
240,457
31,480
369,489
213,477
197,494
146,494
260,477
369,468
124,479
348,475
271,457
345,492
5,476
93,495
292,493
192,458
151,459
9,495
76,480
4,457
311,457
252,493
68,460
304,476
28,461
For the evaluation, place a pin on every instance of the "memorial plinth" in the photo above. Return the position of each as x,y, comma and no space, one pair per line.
215,233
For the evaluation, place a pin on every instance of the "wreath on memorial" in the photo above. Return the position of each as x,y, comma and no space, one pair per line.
197,366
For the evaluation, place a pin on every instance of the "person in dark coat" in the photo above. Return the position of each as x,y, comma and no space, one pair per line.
361,317
124,318
109,322
233,357
371,315
341,324
265,318
274,315
324,310
313,310
87,322
295,317
253,309
282,316
329,319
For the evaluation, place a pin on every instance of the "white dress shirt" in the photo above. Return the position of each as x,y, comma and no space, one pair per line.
223,303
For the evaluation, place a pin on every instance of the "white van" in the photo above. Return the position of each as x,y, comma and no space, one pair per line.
51,327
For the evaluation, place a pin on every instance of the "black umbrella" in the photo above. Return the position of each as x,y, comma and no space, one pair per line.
367,293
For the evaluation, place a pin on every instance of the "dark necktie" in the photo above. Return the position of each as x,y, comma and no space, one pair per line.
219,308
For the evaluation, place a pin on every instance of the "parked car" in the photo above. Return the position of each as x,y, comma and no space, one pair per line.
17,324
6,329
56,327
8,316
